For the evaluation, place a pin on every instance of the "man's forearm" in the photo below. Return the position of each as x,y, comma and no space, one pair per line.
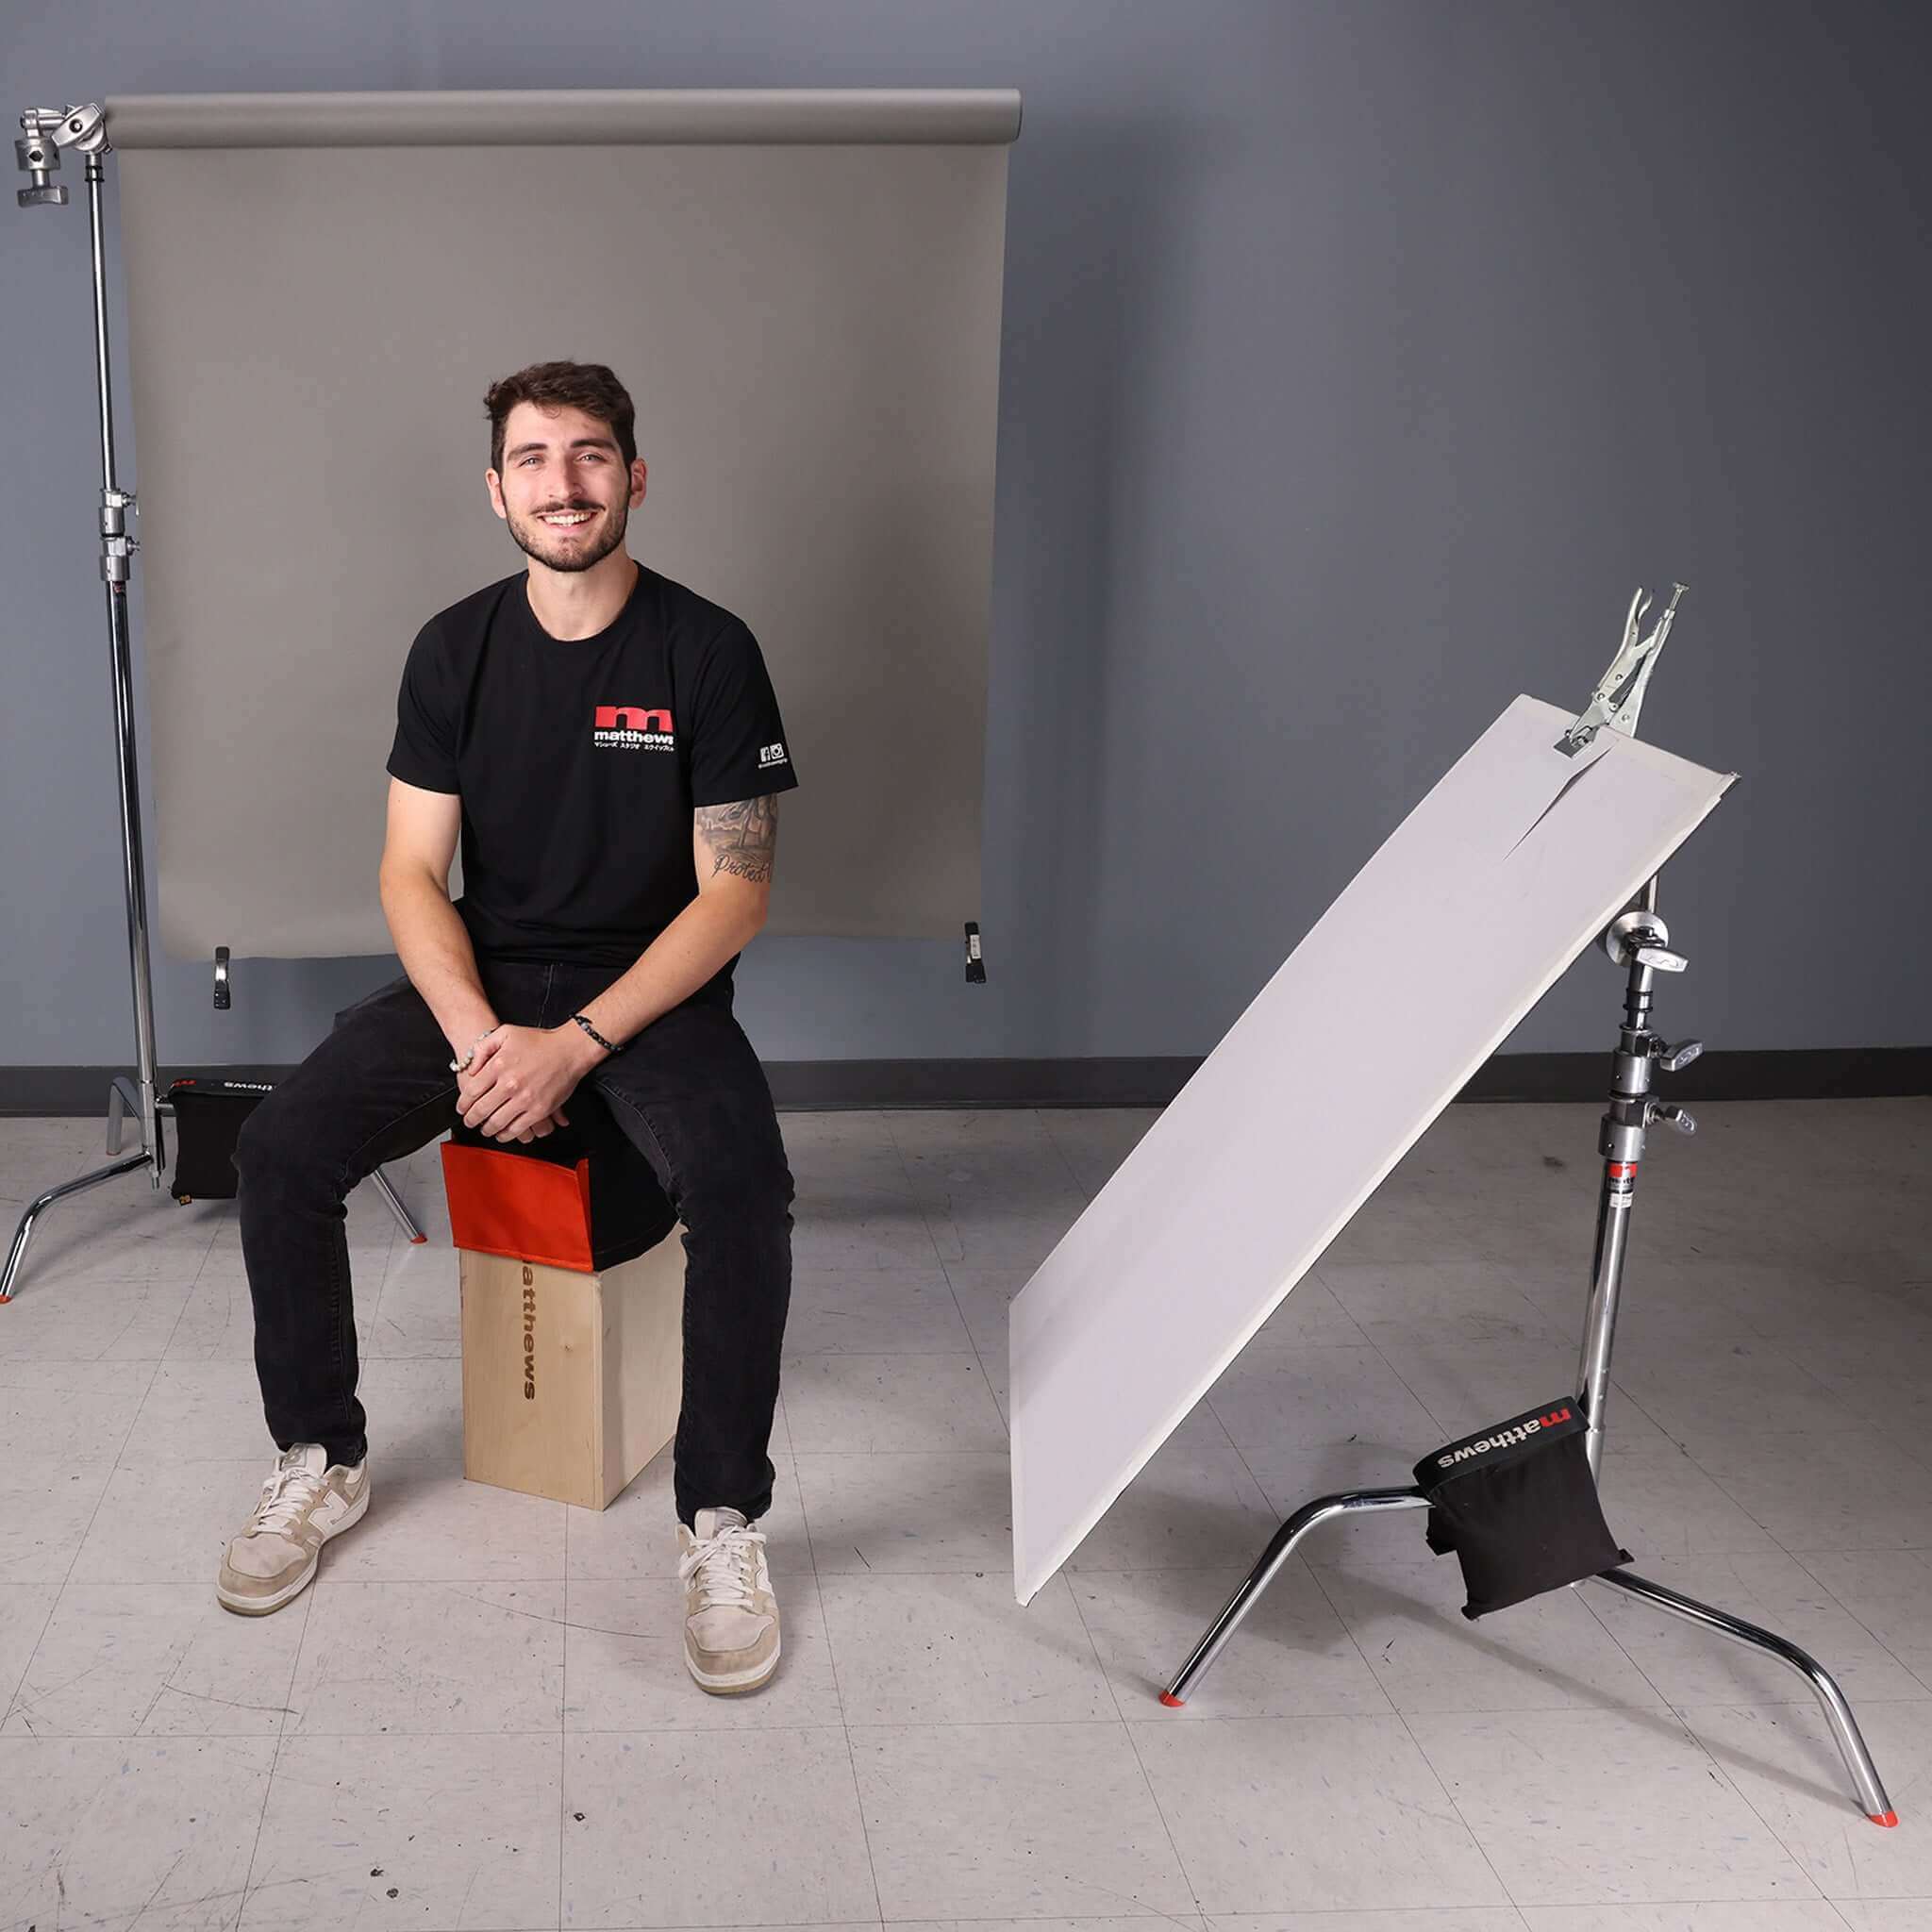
434,946
680,959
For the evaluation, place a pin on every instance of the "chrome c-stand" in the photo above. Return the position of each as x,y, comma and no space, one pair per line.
1640,941
45,132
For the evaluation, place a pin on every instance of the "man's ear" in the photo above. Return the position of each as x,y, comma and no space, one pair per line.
493,483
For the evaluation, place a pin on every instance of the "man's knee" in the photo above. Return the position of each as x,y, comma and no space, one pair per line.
751,1186
280,1135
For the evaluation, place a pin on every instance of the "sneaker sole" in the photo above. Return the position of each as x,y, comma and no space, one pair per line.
735,1684
261,1606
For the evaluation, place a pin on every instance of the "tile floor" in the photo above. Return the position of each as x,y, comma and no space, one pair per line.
477,1717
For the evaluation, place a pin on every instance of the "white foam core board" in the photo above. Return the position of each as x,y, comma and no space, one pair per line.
1473,905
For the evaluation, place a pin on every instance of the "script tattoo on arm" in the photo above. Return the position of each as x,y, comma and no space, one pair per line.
740,838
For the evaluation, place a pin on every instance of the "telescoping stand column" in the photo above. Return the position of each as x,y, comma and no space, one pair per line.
45,132
1640,942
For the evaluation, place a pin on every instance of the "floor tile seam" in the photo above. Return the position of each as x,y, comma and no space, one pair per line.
963,1568
1885,1649
851,1755
1468,1831
734,1727
924,1221
1181,1864
1787,1350
1002,1448
562,1721
1382,1357
150,1362
1793,1855
1916,1449
80,1542
1680,1705
546,1734
261,1817
150,1582
1073,1180
831,1649
1299,1559
1093,1647
1347,1631
838,1692
1724,1489
307,1600
890,1354
978,1356
1247,1469
187,1302
1589,1601
1584,1902
91,1360
1073,1569
848,1354
13,1703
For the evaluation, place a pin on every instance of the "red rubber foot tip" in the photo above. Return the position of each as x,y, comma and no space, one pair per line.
1883,1817
1174,1703
416,1240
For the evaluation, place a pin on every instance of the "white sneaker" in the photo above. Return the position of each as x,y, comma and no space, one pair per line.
306,1501
730,1615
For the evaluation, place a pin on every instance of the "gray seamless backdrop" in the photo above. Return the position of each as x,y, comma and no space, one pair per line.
1358,361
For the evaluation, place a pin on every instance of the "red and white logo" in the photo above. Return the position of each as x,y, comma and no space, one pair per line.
631,727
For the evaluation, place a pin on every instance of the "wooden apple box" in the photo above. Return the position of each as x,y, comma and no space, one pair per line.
573,1372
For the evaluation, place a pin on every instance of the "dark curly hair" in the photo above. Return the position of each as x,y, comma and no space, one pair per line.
587,386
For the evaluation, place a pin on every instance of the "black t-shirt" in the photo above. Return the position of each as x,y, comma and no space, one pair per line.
580,760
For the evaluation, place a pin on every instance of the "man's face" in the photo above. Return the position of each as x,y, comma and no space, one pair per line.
563,488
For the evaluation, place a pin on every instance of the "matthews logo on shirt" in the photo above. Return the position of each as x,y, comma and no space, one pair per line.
770,755
630,727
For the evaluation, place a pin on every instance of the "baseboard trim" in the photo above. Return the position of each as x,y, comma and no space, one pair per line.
816,1086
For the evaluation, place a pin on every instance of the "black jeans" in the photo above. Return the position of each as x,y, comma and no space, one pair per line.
688,1091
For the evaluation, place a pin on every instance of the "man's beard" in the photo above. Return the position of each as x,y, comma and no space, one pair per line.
565,555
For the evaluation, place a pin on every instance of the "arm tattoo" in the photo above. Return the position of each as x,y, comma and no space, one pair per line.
740,838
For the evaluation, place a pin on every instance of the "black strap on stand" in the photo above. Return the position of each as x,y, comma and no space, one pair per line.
1507,1533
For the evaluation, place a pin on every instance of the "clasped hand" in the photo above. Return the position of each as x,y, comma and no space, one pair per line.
516,1085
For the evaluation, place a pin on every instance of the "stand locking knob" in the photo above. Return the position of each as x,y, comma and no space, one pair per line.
1673,1057
1671,1115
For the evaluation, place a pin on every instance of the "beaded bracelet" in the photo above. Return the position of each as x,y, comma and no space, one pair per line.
593,1033
463,1066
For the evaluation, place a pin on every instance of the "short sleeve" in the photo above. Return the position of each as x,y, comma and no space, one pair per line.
737,748
424,752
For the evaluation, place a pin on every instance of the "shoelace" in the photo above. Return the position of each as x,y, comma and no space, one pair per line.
284,1497
726,1565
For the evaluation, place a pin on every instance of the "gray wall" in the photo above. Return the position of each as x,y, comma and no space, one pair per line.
1358,361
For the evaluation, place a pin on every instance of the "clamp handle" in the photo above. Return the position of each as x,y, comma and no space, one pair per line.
1638,934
